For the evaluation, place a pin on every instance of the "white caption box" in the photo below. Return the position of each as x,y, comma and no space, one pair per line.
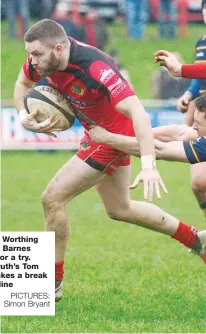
27,273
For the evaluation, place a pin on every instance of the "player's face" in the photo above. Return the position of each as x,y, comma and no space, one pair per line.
200,122
204,13
45,59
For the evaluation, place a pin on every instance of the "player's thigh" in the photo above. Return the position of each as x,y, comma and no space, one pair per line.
114,190
198,176
72,179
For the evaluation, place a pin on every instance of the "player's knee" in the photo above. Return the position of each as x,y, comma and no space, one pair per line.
113,215
48,198
119,214
197,184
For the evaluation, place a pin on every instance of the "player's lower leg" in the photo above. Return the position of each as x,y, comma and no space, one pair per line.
198,183
56,220
152,217
201,198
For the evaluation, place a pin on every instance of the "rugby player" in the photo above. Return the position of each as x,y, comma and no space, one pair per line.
190,147
198,171
99,96
189,71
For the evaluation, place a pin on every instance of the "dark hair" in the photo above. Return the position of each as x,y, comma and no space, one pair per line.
48,31
200,103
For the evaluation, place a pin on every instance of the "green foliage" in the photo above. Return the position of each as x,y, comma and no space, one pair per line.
119,277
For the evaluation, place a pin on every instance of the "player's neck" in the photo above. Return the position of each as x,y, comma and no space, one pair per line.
65,58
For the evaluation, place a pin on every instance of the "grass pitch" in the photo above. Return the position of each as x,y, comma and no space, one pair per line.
119,277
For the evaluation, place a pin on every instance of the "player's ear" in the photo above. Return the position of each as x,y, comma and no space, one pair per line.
59,48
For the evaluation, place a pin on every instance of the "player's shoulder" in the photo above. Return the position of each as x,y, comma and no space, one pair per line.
201,41
29,70
28,61
201,141
195,150
199,144
83,55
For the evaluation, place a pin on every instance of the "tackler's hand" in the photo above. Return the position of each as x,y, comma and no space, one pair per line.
168,60
98,134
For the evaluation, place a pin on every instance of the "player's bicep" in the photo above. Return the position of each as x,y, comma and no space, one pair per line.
131,107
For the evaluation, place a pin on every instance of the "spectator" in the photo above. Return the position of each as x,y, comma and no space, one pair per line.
136,18
167,18
42,8
165,86
17,12
73,28
96,30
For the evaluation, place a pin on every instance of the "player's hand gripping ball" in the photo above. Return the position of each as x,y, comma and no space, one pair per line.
50,102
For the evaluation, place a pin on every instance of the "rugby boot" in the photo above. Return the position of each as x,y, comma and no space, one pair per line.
58,290
199,246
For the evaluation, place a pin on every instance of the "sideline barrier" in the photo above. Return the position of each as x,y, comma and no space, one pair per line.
15,137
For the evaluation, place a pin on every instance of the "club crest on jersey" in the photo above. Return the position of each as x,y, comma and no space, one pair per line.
77,90
85,146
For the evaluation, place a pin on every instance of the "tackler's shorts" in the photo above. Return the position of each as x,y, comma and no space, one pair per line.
102,157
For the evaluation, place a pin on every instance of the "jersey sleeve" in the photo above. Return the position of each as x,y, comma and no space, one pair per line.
194,71
194,88
30,72
110,77
195,150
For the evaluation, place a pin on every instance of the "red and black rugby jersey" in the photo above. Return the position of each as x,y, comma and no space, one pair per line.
93,85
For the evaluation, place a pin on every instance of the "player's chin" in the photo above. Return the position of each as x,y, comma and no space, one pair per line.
44,73
41,73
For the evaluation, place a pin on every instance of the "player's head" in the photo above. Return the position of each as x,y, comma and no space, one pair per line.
204,10
200,115
46,41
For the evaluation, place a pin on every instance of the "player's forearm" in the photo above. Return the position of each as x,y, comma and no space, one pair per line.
126,144
194,71
174,132
143,132
19,91
173,151
132,108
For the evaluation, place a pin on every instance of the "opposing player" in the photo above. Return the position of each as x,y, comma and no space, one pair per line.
198,87
99,96
190,147
189,71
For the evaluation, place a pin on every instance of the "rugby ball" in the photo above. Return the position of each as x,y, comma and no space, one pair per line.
49,102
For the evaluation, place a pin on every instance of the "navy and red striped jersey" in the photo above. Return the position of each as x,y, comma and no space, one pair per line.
93,85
